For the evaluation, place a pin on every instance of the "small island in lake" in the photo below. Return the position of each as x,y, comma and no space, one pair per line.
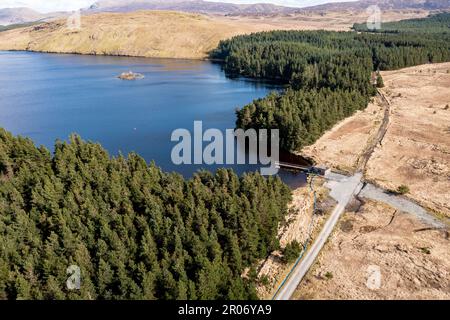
131,76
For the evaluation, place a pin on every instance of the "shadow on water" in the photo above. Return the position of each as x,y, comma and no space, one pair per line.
294,159
293,178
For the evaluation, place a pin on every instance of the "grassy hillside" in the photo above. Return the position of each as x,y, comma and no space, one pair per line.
164,34
144,33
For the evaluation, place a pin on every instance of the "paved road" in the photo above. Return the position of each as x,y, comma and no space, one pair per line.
342,190
400,203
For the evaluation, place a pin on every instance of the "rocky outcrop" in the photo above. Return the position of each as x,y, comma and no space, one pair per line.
130,75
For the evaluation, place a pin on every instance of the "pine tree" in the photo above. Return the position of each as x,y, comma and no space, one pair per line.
380,82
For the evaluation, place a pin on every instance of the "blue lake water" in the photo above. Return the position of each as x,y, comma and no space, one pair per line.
49,96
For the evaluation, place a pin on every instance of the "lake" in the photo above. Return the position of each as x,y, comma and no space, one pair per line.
49,96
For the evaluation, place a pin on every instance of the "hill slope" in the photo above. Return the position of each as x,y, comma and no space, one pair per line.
384,5
164,34
193,6
18,15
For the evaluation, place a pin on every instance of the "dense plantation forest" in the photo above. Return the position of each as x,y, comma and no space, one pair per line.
328,73
134,231
301,115
438,23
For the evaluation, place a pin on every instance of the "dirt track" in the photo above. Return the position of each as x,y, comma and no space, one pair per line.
415,150
363,159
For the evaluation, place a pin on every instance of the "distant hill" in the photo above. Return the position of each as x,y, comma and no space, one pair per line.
384,5
192,6
18,16
221,8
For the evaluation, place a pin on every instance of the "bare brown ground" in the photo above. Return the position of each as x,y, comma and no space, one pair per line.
413,261
415,152
341,147
416,148
334,20
167,34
